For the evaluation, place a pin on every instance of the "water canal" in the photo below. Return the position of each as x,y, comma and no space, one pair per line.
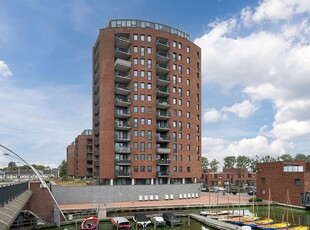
297,216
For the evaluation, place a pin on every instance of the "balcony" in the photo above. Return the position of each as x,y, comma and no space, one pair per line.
162,80
162,92
162,44
96,163
163,127
122,65
122,77
122,101
122,138
162,115
163,174
122,113
163,162
122,150
162,138
162,68
122,89
122,53
89,166
96,141
122,174
162,57
122,41
162,104
123,162
122,126
163,150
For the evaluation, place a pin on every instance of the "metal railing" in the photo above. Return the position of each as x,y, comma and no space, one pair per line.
11,191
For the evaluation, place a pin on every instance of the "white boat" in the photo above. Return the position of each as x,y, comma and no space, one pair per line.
141,220
158,221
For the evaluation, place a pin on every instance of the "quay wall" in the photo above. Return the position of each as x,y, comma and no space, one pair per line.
123,193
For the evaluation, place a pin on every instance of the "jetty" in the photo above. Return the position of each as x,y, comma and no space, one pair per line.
214,223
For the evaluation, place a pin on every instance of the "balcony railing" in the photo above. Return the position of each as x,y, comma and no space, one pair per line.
162,138
122,65
163,127
122,149
162,68
162,80
124,138
122,77
122,113
121,41
122,89
163,174
162,44
162,115
163,162
162,91
122,174
122,53
122,101
122,126
123,162
163,150
162,57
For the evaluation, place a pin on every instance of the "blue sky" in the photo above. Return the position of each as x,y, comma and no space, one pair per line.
255,68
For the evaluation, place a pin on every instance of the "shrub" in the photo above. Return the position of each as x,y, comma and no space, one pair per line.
256,199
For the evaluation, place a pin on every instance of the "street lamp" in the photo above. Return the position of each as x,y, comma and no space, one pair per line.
43,183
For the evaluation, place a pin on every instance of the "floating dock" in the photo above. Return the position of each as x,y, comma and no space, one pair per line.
214,223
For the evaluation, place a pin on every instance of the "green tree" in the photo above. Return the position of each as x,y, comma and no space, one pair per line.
253,162
229,162
11,164
308,158
63,169
300,157
268,159
286,157
214,164
243,161
204,163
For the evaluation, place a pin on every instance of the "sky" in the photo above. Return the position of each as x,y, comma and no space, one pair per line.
255,72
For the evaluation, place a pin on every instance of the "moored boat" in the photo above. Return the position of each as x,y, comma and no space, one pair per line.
171,219
120,223
90,223
141,220
300,227
158,221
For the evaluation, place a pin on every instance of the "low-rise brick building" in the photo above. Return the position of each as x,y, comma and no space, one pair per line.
281,177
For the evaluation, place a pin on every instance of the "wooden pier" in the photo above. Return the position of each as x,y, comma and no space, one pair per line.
214,223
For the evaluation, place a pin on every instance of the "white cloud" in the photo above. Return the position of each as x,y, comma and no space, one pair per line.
291,129
213,115
243,109
5,70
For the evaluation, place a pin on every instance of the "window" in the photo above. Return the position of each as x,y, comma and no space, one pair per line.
142,85
174,89
135,145
142,72
180,135
180,79
174,149
188,158
135,168
135,157
135,61
180,57
174,168
188,147
135,86
188,136
135,97
149,63
174,101
142,51
149,168
180,102
142,121
180,125
149,145
188,82
188,104
135,37
149,109
297,182
149,75
149,157
135,73
149,85
188,71
180,113
174,66
149,135
180,92
135,122
174,80
142,37
135,49
149,50
180,147
174,136
149,98
188,49
142,168
188,60
135,109
263,180
135,133
188,125
142,97
174,56
174,158
174,44
180,69
142,133
188,114
142,108
142,147
188,169
188,93
180,168
174,124
263,191
149,38
149,121
142,61
180,45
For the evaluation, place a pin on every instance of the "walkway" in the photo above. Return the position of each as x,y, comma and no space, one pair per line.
202,201
10,211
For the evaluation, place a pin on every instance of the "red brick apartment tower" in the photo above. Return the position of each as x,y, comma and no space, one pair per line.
79,156
146,105
280,177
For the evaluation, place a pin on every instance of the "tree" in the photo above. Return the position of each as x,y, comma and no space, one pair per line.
12,164
253,162
63,169
300,157
214,164
286,157
243,161
229,162
268,159
204,163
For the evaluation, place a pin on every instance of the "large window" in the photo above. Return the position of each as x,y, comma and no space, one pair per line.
293,168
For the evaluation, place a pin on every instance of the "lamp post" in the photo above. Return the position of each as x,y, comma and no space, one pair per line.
43,183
